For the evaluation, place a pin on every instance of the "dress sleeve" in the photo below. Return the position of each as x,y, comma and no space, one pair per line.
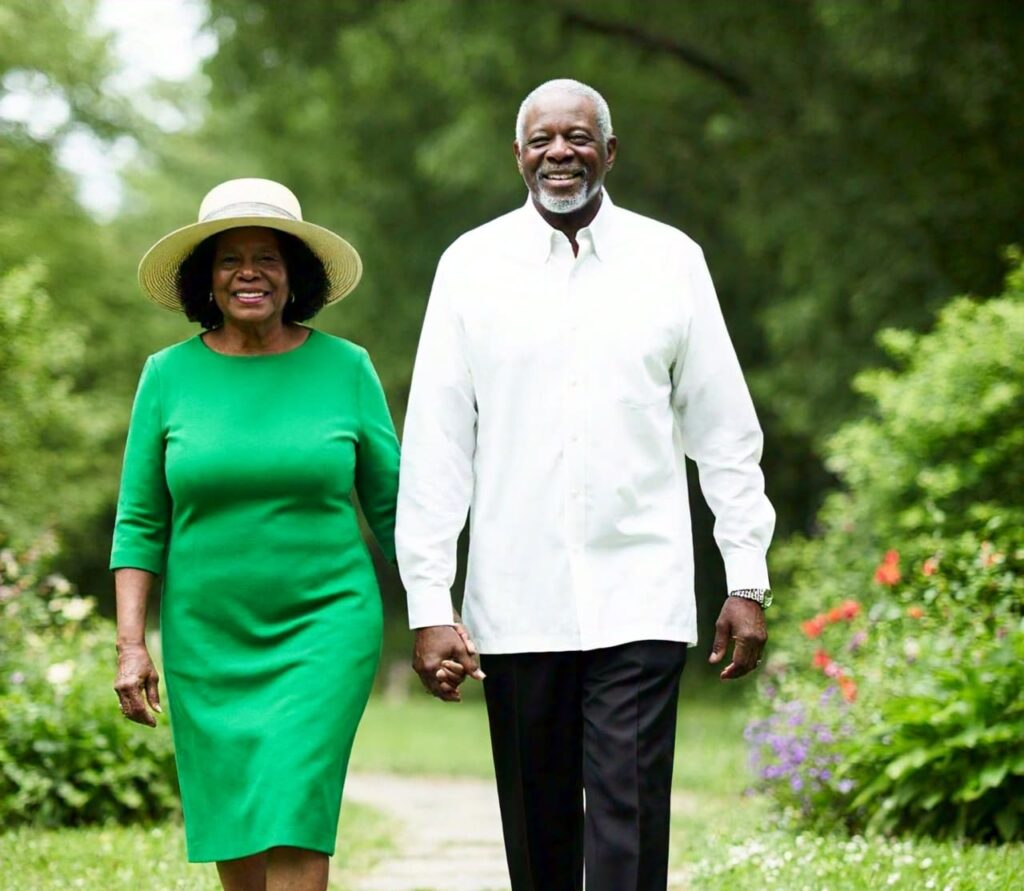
144,504
720,432
376,459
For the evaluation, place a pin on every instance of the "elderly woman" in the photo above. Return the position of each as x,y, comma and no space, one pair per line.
244,447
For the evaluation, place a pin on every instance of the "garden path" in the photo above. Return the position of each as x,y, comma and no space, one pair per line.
450,833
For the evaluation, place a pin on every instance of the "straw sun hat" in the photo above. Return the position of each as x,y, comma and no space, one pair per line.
247,202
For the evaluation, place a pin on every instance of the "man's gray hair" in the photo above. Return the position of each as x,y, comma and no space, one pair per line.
566,85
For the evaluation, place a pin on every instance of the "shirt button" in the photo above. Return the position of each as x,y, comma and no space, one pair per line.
574,383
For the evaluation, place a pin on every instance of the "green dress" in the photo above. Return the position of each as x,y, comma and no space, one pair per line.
237,487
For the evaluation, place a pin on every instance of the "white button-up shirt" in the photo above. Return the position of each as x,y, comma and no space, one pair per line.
554,398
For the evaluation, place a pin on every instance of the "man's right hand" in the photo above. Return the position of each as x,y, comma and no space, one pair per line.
442,657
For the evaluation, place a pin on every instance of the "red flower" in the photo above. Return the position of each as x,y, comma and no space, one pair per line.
821,659
930,566
915,612
888,571
850,609
848,687
835,614
813,627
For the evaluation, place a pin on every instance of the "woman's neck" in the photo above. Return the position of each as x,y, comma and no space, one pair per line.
236,340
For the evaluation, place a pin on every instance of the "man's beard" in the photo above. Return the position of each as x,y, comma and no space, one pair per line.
566,204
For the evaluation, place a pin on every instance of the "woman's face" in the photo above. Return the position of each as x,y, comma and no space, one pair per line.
250,280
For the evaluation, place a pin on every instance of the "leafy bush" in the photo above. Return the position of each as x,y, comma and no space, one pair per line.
895,690
50,434
67,756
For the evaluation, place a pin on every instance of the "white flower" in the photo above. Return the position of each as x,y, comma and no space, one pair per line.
8,564
76,609
60,673
58,584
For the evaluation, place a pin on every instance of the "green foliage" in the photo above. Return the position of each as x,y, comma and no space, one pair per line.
938,747
49,433
947,446
897,684
67,756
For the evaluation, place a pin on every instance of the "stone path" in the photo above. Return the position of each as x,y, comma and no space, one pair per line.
449,835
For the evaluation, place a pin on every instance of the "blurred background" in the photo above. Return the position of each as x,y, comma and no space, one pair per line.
852,169
847,166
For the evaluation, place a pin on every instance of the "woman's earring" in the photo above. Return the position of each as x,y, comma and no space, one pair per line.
292,298
211,296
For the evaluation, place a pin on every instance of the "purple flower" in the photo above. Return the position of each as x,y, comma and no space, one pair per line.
17,677
844,786
797,753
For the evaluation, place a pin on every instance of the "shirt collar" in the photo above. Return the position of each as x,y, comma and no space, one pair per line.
540,237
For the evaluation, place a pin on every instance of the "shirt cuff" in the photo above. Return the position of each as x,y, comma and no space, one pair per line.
430,606
746,569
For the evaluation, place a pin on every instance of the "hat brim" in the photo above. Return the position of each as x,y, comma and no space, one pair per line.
158,269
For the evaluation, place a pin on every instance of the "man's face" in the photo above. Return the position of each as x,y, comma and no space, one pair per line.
563,159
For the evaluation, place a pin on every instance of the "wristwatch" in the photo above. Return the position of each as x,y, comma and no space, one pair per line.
760,596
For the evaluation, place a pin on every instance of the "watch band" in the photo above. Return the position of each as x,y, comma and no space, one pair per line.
761,596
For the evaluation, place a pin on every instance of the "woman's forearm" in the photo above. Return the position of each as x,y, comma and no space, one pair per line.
132,587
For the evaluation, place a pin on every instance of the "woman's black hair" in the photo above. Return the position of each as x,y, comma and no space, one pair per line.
306,276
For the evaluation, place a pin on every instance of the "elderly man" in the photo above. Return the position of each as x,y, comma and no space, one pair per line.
573,353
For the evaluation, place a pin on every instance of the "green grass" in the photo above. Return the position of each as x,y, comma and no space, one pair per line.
721,836
808,862
132,858
420,735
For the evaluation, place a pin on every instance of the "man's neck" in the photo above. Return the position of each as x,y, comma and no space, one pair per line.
571,223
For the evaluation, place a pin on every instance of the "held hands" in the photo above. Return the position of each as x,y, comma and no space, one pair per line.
443,655
741,621
137,678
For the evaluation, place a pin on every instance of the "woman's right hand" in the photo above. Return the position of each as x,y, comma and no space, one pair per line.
138,684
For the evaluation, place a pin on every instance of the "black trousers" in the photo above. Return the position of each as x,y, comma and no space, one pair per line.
599,726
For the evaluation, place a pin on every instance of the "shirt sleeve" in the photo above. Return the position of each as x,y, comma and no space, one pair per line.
439,442
376,459
144,503
720,432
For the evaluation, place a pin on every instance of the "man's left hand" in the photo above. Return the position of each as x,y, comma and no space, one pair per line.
742,622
